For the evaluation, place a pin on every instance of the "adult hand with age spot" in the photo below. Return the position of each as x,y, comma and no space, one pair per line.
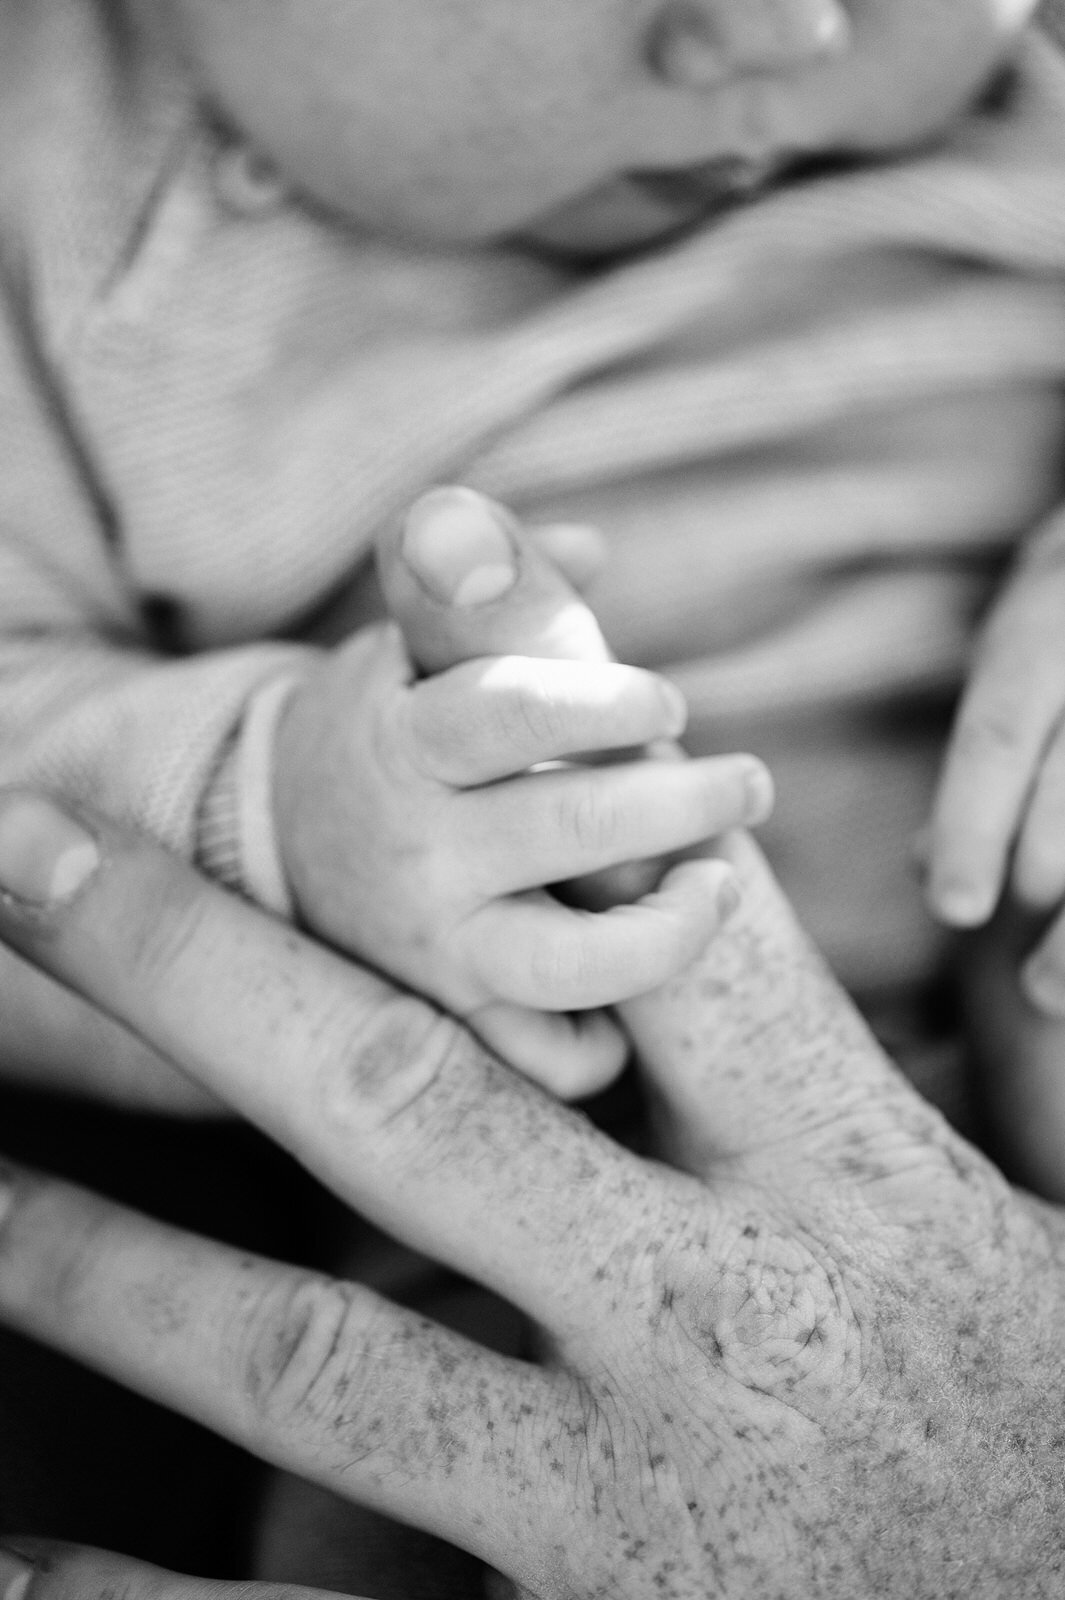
822,1359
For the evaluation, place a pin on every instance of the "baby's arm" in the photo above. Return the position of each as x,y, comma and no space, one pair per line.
414,835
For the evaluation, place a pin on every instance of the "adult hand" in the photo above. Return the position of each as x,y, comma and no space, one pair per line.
53,1040
999,818
825,1360
42,1570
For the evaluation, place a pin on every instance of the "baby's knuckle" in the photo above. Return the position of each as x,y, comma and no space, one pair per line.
435,733
531,715
562,971
595,822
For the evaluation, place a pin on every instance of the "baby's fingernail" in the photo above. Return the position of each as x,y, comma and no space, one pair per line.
7,1200
823,25
959,904
760,793
728,898
676,709
459,547
16,1575
1044,984
921,854
45,856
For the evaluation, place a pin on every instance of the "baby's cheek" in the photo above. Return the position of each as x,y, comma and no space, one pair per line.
915,66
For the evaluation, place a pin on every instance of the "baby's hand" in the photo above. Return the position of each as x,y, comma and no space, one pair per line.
999,815
415,835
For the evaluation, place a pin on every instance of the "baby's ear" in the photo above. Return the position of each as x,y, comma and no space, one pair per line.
463,579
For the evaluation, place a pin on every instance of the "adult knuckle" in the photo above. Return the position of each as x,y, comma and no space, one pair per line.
990,729
55,1263
70,1571
778,1319
302,1347
388,1069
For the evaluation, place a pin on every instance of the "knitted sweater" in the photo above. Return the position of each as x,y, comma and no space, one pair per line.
210,399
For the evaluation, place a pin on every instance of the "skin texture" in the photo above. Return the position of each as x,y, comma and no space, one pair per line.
822,1356
474,120
424,841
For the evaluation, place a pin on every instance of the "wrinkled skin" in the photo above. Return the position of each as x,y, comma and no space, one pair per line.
824,1359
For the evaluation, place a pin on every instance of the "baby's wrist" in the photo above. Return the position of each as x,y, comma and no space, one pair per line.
238,837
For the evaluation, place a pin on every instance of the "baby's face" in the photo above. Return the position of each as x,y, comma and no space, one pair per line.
583,124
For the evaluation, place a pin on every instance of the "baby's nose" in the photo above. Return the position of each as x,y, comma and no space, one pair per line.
702,43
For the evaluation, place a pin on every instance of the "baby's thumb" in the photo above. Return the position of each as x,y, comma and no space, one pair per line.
463,579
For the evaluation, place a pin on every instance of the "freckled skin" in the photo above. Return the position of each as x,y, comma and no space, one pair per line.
821,1356
830,1359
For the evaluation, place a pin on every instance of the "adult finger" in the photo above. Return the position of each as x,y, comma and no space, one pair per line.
1043,972
323,1378
1013,700
755,1048
51,1039
485,720
578,548
536,952
392,1104
39,1569
551,826
1038,873
456,573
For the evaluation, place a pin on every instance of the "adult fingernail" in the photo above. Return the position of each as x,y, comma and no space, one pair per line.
16,1575
1044,984
45,856
459,546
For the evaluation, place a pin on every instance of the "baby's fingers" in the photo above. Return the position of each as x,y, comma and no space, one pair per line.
569,1055
535,952
489,719
549,827
1013,702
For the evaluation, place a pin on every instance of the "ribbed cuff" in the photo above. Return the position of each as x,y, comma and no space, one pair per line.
237,837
